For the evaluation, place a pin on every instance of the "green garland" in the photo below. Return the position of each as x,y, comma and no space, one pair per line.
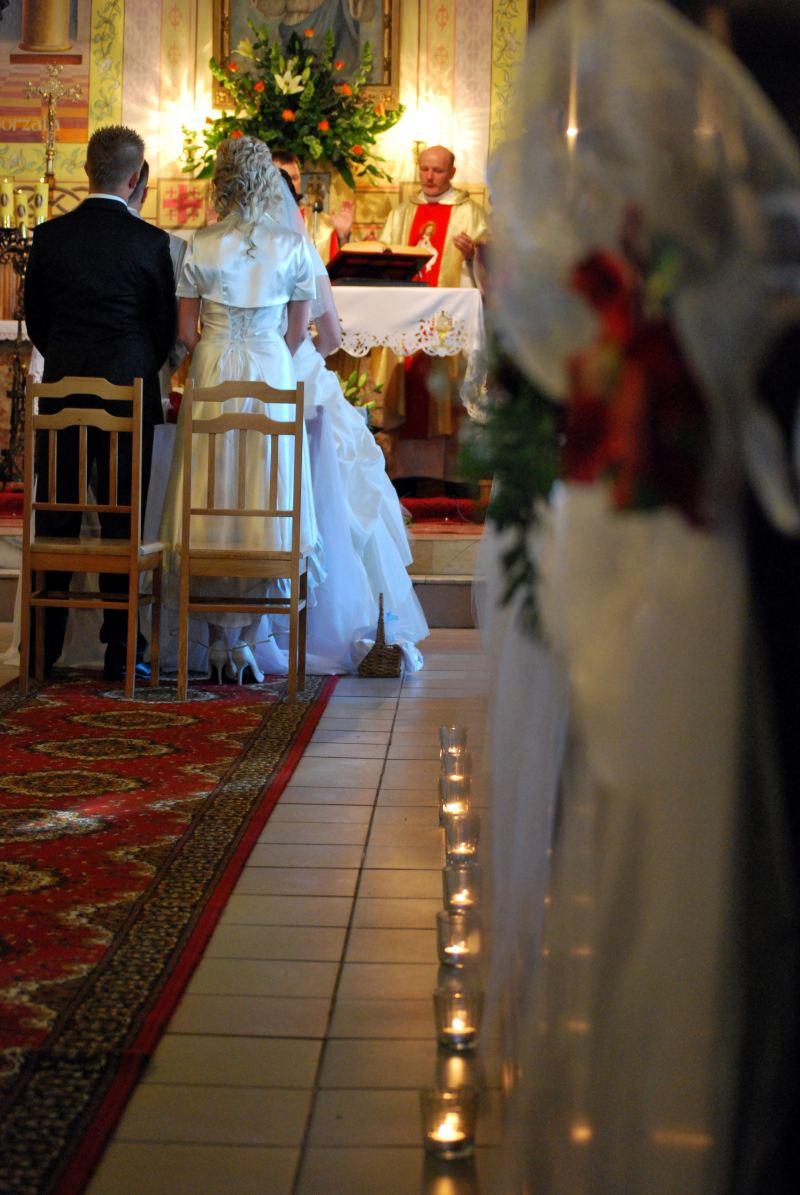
519,446
298,101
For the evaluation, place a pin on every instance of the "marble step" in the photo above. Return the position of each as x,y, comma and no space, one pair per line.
444,554
446,599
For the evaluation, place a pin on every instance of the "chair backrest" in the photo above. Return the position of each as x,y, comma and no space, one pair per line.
82,418
240,424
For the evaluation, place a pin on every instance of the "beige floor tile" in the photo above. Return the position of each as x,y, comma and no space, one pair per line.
341,773
414,836
215,1115
369,1118
234,1061
374,738
411,773
262,977
336,814
414,750
297,881
383,1019
396,914
364,686
373,1117
399,816
315,834
317,750
128,1169
299,855
362,1172
392,945
406,857
287,910
277,942
356,721
362,703
251,1016
411,883
388,981
327,796
427,796
389,1064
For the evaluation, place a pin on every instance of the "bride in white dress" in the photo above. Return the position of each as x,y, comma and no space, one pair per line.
249,279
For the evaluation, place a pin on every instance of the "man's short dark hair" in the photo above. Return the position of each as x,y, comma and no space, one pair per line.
285,155
141,183
114,153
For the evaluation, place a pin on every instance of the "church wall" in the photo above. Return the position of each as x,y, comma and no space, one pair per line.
145,63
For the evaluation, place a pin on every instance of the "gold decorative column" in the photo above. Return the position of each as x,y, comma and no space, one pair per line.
45,26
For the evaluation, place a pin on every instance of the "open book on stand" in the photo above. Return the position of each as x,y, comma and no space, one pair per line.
374,263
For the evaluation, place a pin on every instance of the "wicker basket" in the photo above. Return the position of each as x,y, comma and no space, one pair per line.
382,659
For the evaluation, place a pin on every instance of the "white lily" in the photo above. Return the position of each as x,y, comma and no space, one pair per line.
289,84
245,48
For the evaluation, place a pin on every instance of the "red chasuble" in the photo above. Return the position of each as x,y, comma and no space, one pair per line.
429,229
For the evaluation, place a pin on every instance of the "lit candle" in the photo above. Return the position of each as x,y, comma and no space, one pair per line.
449,1130
457,948
461,886
41,201
462,898
21,213
448,1121
458,938
6,203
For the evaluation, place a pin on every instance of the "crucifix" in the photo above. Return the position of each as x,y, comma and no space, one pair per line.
51,89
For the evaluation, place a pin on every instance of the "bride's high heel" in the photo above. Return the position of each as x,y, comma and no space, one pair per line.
219,660
243,661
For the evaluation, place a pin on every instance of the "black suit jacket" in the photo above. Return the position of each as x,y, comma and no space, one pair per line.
100,298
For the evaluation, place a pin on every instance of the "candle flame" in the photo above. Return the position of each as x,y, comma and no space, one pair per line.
449,1129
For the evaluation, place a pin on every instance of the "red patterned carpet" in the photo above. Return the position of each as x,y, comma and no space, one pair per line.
123,827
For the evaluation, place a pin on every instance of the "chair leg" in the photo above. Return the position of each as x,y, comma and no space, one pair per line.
155,627
293,641
183,642
133,634
301,650
24,630
38,655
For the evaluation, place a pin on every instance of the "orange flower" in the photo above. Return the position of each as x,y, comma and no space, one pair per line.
235,134
324,126
338,64
259,86
308,33
380,109
233,66
287,114
346,89
357,150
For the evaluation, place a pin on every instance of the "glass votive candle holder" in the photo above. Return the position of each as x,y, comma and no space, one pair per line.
458,938
452,738
461,835
458,1017
448,1122
455,1070
461,887
456,765
453,796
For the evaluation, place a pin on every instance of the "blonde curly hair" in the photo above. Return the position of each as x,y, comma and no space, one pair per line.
246,180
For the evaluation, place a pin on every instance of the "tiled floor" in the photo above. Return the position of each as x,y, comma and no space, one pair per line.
294,1060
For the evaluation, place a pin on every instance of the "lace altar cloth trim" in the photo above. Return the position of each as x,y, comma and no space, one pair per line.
442,335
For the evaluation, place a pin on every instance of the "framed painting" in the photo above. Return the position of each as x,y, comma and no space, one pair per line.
352,22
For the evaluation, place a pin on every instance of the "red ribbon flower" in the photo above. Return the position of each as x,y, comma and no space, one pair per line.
233,66
308,32
357,150
235,134
259,86
338,64
287,114
346,89
324,126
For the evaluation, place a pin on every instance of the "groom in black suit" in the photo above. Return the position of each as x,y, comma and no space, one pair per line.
100,302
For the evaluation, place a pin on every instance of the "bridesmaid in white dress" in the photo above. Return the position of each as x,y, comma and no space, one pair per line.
374,516
249,280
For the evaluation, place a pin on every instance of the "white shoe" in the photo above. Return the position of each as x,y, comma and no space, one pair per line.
243,660
219,661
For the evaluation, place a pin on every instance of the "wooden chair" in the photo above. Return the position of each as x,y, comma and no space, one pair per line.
86,553
241,562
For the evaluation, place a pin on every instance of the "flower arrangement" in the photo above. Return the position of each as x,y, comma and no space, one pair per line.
636,415
354,387
297,100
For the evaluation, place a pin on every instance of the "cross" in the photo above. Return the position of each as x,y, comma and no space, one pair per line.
51,89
